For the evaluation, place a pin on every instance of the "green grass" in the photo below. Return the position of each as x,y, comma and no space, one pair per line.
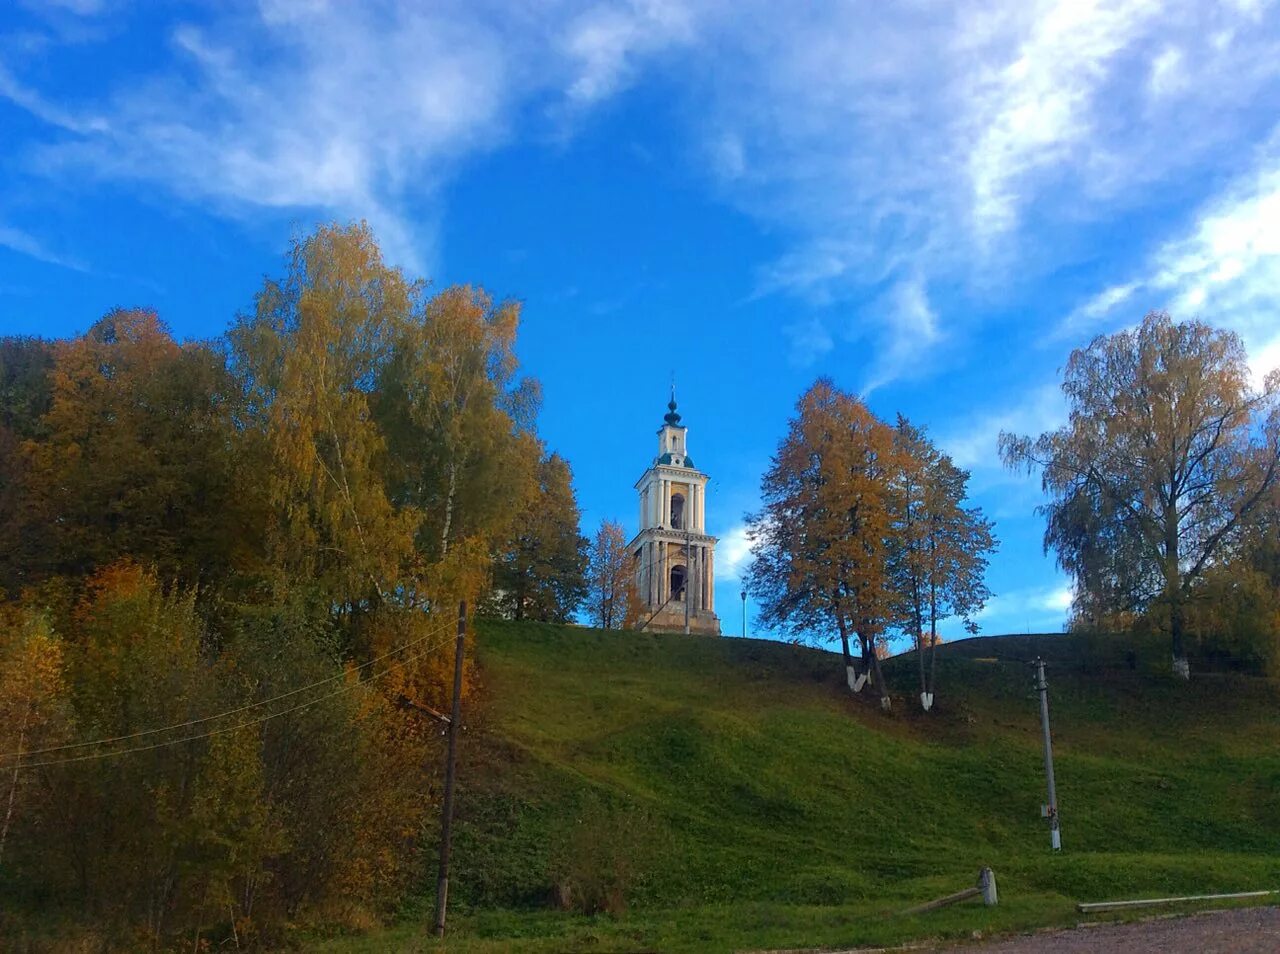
765,808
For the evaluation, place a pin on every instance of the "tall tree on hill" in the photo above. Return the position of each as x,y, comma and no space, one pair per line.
940,547
310,357
540,573
610,577
1168,453
458,422
396,430
821,542
25,395
135,456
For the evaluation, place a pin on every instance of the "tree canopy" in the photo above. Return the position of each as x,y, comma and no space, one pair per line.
1168,455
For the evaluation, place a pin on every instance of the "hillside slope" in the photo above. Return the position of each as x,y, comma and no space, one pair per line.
754,803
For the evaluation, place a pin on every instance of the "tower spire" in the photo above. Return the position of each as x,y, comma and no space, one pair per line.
671,417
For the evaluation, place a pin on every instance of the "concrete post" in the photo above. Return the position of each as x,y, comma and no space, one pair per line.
1042,687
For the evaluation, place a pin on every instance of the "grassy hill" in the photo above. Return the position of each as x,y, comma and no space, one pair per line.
742,799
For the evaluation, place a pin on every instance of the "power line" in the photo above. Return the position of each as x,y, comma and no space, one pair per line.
222,715
107,753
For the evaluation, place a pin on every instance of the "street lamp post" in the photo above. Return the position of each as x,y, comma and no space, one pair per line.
744,612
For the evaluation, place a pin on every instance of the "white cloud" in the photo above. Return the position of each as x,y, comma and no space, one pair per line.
733,554
355,111
973,443
1224,268
1093,311
1028,609
1168,74
1263,360
891,146
17,240
1035,111
909,333
908,144
604,43
26,98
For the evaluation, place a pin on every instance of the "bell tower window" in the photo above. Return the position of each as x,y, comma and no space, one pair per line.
677,511
678,574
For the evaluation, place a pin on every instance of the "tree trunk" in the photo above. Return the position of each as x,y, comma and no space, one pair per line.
925,700
1176,622
933,650
448,510
885,702
1173,592
852,680
872,661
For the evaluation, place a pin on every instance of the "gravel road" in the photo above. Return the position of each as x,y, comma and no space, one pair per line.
1237,931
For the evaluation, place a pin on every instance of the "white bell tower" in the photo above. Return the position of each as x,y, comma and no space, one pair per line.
674,556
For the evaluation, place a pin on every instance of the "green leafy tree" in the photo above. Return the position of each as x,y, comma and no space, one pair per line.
458,424
540,573
1168,453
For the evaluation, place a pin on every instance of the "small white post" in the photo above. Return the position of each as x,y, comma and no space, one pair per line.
987,882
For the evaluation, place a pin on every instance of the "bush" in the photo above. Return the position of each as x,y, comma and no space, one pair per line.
598,858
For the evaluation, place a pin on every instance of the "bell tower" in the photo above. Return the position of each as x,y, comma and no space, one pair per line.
674,556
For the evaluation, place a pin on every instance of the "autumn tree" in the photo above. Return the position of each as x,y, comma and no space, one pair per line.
397,430
197,531
821,542
610,577
133,456
458,420
1233,613
540,571
34,711
1168,452
309,359
939,550
25,395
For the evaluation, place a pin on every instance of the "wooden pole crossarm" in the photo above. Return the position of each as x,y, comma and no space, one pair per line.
404,702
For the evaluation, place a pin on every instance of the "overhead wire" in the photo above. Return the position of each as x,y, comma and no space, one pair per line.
111,740
110,753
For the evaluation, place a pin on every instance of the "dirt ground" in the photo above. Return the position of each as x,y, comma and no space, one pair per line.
1236,931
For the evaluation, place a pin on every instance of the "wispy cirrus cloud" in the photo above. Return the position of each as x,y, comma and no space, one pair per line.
16,240
972,442
357,110
893,149
1224,267
910,143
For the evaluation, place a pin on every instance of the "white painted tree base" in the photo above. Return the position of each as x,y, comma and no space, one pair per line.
1181,667
856,681
926,701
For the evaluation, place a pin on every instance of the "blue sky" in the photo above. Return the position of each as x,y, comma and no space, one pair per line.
932,203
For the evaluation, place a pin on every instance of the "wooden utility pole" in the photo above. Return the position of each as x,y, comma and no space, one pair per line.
446,811
688,575
1051,810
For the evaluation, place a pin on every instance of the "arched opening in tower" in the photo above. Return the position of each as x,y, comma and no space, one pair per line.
677,511
678,577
